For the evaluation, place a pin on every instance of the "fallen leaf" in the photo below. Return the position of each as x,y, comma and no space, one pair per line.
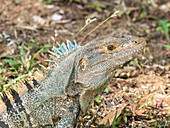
38,57
8,74
153,100
6,50
111,115
139,112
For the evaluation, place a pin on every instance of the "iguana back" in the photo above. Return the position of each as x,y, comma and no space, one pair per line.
68,89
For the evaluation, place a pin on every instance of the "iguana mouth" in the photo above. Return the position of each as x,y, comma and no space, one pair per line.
128,52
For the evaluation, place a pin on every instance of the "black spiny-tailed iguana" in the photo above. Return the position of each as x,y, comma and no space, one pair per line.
68,89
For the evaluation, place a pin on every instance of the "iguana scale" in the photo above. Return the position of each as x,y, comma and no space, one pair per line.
68,89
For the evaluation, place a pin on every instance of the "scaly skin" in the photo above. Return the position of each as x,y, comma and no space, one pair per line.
70,86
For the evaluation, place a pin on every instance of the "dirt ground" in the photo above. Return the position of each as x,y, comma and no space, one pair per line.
146,77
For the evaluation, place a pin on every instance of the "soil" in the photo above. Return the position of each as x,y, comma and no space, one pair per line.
32,21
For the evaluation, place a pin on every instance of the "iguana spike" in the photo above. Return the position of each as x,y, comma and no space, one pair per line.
51,61
76,45
55,54
64,46
60,53
61,48
69,45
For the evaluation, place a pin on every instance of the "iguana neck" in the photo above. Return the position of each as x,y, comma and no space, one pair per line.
54,85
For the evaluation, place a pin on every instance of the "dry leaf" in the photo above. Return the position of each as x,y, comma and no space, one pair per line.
154,100
8,74
111,115
38,57
6,50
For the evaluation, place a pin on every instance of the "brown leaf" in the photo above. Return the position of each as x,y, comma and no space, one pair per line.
111,115
38,57
154,100
139,112
145,99
8,74
6,50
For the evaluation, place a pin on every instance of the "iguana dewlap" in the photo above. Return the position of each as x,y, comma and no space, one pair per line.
68,89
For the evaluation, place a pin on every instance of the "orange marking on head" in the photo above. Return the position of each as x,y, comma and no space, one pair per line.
83,64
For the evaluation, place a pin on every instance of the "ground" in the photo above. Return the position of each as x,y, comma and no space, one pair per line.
139,95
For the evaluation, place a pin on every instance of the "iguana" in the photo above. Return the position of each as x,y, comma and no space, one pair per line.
70,86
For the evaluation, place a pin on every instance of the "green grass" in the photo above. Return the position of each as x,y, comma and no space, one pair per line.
20,65
164,27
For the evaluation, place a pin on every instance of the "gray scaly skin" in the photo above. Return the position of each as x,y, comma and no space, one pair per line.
69,88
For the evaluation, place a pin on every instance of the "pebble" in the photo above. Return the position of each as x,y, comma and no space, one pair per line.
56,17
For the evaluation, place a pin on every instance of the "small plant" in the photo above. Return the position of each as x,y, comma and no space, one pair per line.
106,90
19,65
167,46
2,71
47,1
26,64
116,122
74,0
98,6
157,125
98,99
164,27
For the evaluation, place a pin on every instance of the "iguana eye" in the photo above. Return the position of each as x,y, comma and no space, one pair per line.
110,47
83,64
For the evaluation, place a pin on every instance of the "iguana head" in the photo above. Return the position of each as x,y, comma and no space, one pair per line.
97,61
